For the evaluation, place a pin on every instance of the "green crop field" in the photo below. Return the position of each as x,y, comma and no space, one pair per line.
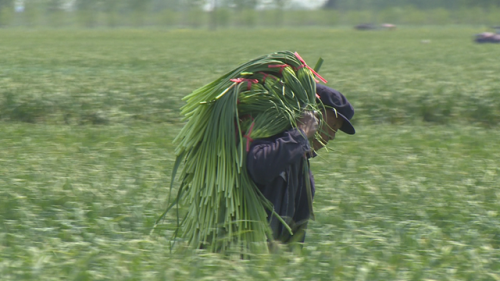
87,120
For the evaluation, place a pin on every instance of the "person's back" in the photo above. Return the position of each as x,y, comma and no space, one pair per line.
276,165
279,165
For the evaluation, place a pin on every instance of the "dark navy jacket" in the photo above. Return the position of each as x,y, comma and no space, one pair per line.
276,165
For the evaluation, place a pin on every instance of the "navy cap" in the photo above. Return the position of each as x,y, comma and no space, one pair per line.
335,99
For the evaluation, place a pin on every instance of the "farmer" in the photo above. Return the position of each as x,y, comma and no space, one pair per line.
276,164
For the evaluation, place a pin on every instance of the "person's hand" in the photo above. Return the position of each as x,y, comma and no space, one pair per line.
308,123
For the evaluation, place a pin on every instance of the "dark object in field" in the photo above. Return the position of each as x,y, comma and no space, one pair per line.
365,26
371,26
487,37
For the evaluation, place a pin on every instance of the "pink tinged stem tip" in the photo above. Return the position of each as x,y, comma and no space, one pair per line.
310,68
241,80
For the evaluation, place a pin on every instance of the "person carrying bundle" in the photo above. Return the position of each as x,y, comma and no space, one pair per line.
276,163
243,154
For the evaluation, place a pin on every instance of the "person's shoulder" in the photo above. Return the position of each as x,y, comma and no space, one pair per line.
271,138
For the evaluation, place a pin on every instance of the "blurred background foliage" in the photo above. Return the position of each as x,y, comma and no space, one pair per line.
238,13
76,77
436,75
